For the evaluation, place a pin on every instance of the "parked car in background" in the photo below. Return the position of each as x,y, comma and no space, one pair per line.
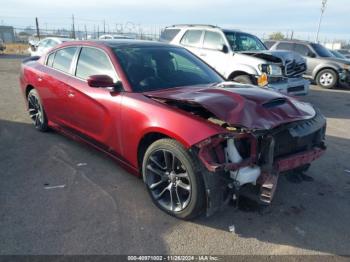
345,52
170,118
241,57
108,37
322,66
41,47
338,55
2,46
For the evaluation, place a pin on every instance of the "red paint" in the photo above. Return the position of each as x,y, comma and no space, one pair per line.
241,106
116,122
297,160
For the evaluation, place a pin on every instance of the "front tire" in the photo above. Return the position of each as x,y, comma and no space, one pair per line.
36,111
327,78
173,179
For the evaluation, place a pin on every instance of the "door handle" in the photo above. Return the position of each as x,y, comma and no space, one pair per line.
71,94
202,54
40,79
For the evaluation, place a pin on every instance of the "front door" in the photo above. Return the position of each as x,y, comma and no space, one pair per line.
93,112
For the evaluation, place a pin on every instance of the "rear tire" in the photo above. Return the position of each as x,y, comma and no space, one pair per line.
327,78
173,179
243,79
36,111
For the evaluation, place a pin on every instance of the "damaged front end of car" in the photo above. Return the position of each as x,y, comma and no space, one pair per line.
263,134
239,158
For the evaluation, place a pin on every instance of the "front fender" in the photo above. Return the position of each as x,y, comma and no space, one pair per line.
156,117
238,69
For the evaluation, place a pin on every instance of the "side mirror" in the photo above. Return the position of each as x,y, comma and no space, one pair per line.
104,81
311,54
224,49
33,48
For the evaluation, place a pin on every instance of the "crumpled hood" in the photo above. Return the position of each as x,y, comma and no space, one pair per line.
240,105
277,56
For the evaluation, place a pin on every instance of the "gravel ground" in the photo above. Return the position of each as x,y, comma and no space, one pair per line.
99,208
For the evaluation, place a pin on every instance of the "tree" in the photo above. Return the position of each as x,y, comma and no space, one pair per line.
276,36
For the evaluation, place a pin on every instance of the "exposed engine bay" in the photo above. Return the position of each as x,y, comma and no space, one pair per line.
259,158
262,140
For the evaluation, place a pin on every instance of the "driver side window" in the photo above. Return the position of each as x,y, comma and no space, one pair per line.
93,61
213,40
302,49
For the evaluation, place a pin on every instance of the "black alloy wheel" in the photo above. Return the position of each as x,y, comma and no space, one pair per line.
171,180
36,111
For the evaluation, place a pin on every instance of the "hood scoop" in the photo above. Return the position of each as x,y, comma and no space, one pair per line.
274,103
253,108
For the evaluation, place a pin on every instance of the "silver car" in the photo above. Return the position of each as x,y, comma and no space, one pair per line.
322,66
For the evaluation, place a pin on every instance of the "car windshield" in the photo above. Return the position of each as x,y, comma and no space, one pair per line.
241,42
155,68
337,54
321,50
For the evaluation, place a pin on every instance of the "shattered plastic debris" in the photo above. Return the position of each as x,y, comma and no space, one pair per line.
54,187
82,164
232,228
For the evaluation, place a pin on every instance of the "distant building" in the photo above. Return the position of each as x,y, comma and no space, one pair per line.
333,46
7,34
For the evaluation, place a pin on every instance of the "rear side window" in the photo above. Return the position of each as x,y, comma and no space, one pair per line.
168,34
213,40
285,46
50,59
192,38
302,49
63,59
93,61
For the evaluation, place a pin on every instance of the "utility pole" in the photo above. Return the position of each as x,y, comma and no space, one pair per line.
86,36
323,8
37,27
292,34
73,27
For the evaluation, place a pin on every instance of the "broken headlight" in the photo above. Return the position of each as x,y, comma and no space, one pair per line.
273,70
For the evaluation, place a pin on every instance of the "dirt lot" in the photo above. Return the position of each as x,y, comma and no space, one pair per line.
104,210
19,49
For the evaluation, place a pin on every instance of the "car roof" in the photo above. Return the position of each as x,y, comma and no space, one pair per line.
191,25
200,26
113,43
61,39
294,41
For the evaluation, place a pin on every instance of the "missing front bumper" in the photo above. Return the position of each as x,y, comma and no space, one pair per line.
275,152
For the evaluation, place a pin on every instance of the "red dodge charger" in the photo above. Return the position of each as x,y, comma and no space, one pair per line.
167,116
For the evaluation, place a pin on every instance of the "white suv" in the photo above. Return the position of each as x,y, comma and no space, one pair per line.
241,57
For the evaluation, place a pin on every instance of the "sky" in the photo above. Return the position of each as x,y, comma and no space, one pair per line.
255,16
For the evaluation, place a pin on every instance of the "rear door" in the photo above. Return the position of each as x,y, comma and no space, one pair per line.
53,87
192,40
